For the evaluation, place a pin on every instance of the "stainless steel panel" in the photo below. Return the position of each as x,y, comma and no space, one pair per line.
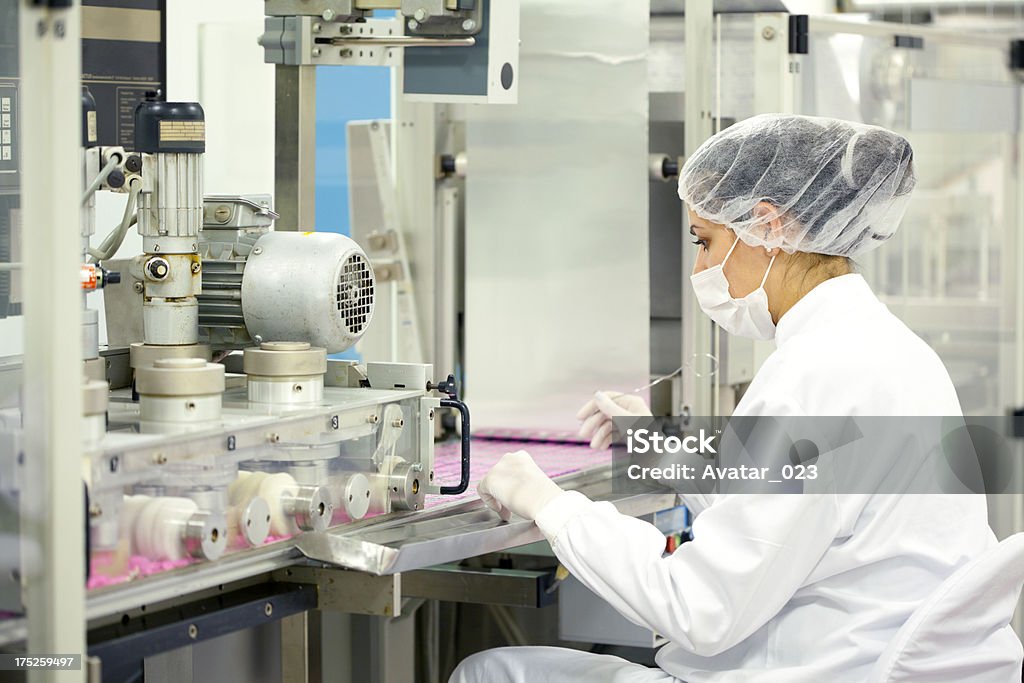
556,230
404,542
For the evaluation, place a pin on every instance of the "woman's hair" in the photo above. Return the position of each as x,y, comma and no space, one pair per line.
839,188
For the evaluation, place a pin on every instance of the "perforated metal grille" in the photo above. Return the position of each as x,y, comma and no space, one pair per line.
355,293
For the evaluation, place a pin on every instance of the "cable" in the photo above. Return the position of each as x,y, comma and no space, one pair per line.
113,241
678,371
103,175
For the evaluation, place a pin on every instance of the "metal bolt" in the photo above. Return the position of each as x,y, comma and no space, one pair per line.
421,15
768,33
345,53
328,15
373,418
222,214
317,27
273,438
413,24
297,388
268,609
115,462
138,287
193,246
398,423
58,28
160,459
257,251
196,267
468,25
430,416
193,632
156,247
41,27
316,52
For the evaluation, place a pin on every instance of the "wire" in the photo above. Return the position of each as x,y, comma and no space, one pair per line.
102,176
113,241
678,371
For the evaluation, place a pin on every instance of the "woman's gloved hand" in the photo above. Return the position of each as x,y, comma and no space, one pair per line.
515,485
597,415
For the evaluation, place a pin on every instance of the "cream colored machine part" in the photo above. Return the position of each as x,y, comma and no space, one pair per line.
285,372
180,391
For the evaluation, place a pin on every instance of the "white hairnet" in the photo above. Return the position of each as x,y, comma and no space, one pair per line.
837,187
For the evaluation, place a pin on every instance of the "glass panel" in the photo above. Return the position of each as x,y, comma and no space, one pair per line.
950,272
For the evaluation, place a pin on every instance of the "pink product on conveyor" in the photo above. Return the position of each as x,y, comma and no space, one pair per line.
138,566
556,459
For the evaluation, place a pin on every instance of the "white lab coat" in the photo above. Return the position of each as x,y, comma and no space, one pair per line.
781,587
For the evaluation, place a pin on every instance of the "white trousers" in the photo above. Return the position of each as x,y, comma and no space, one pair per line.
552,665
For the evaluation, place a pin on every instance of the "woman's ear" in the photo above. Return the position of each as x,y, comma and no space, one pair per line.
769,221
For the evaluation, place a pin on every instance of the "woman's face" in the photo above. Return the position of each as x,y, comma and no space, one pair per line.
746,266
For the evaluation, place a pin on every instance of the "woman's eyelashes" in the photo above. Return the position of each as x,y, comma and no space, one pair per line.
701,243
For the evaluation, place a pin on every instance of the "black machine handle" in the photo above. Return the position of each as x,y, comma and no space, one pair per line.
464,476
448,387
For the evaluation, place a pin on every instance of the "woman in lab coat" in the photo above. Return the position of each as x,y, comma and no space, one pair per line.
772,587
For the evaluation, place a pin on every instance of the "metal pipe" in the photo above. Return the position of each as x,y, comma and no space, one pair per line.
400,41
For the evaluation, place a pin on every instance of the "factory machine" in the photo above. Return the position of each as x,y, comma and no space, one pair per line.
232,472
228,466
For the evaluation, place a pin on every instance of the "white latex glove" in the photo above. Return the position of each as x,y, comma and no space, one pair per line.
516,486
597,415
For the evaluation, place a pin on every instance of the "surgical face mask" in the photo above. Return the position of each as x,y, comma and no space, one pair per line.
746,317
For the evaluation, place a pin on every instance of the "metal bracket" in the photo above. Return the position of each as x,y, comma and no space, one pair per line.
452,583
353,592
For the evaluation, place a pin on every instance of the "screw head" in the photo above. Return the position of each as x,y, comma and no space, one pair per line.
316,52
257,251
768,33
328,15
196,267
317,27
413,24
193,632
420,15
468,25
138,287
222,214
345,53
268,609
